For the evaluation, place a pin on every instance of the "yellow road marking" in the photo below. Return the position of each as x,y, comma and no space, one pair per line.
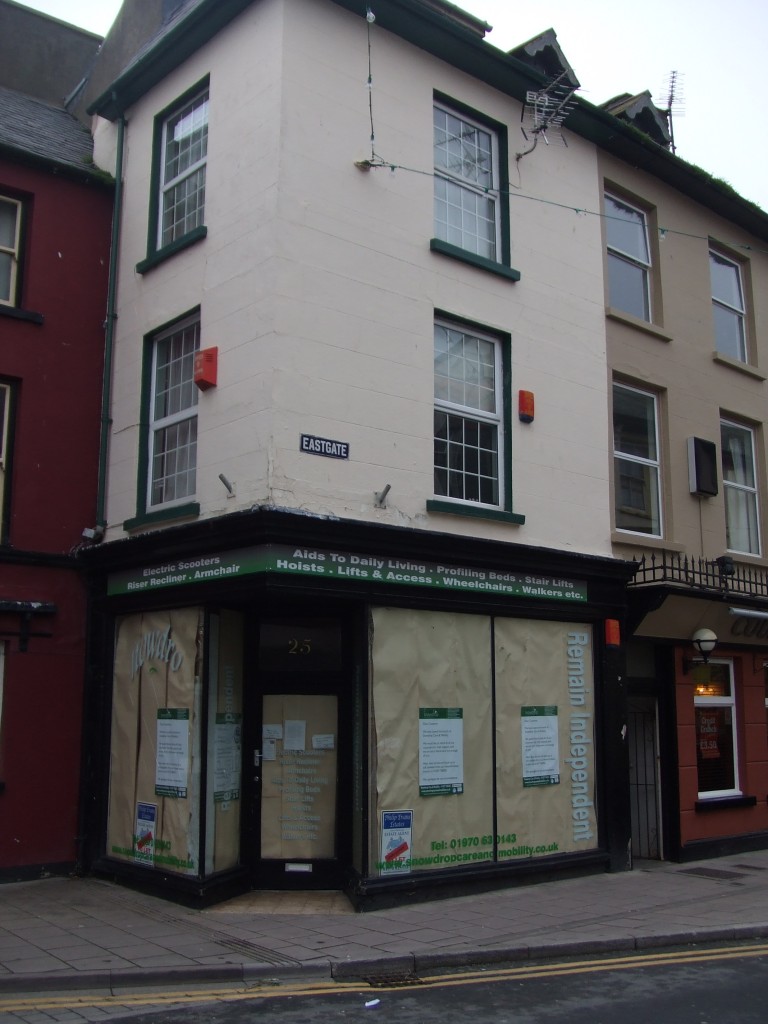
282,991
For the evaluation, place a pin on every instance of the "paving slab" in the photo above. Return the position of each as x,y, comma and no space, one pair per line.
65,933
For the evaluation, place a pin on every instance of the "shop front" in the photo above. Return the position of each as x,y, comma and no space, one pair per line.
698,723
316,704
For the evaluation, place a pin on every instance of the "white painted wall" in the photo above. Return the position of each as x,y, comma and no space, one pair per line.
317,284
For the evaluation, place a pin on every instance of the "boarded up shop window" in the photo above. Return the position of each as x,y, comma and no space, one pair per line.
154,786
225,725
433,683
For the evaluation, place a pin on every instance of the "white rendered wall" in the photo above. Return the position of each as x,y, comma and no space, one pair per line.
317,284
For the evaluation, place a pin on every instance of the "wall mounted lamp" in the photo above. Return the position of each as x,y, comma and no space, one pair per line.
726,565
703,642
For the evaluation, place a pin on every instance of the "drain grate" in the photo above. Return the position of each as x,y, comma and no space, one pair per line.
392,980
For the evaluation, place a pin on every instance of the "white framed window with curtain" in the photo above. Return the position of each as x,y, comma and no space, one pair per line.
717,760
466,175
742,512
629,257
173,416
728,309
636,461
5,450
10,249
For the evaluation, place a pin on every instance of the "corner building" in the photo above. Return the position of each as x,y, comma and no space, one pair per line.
356,621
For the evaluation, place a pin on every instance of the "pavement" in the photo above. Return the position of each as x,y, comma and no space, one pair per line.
61,935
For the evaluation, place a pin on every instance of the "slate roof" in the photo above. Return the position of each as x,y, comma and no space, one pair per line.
32,128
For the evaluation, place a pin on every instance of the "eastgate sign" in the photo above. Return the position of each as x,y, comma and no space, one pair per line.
344,565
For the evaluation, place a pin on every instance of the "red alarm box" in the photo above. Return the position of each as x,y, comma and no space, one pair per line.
206,368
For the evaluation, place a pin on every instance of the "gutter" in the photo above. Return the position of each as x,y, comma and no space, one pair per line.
109,336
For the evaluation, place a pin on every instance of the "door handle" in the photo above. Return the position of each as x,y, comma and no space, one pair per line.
256,758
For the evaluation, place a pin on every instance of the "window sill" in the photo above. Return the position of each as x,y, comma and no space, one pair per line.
635,540
163,515
722,803
155,258
463,256
735,364
640,325
450,508
21,314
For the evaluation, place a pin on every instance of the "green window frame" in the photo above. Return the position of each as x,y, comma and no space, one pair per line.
472,422
471,188
167,467
178,180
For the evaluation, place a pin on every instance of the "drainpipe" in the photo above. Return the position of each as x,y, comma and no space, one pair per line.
109,336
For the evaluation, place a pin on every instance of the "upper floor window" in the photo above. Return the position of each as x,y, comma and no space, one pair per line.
466,184
629,260
468,439
184,150
636,461
173,416
728,307
742,529
10,244
5,452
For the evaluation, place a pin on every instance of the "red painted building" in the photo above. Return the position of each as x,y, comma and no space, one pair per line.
55,223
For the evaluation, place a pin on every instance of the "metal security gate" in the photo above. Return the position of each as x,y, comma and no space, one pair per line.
644,778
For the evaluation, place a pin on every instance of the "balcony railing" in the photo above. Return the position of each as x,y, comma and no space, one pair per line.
722,575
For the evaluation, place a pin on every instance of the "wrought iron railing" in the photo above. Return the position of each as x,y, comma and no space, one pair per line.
718,574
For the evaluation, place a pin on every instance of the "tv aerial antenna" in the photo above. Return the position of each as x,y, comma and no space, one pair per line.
544,112
673,104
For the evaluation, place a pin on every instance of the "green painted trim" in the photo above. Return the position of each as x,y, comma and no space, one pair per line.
502,141
155,255
192,508
170,49
506,385
142,473
465,49
480,262
143,454
21,314
505,341
479,512
161,255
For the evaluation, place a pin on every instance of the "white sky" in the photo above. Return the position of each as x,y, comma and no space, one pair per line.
615,46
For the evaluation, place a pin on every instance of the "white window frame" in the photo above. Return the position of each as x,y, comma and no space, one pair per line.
12,253
5,422
737,314
178,226
723,701
646,465
734,490
469,414
161,425
470,192
622,257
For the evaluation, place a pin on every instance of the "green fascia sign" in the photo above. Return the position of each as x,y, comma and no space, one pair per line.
346,566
